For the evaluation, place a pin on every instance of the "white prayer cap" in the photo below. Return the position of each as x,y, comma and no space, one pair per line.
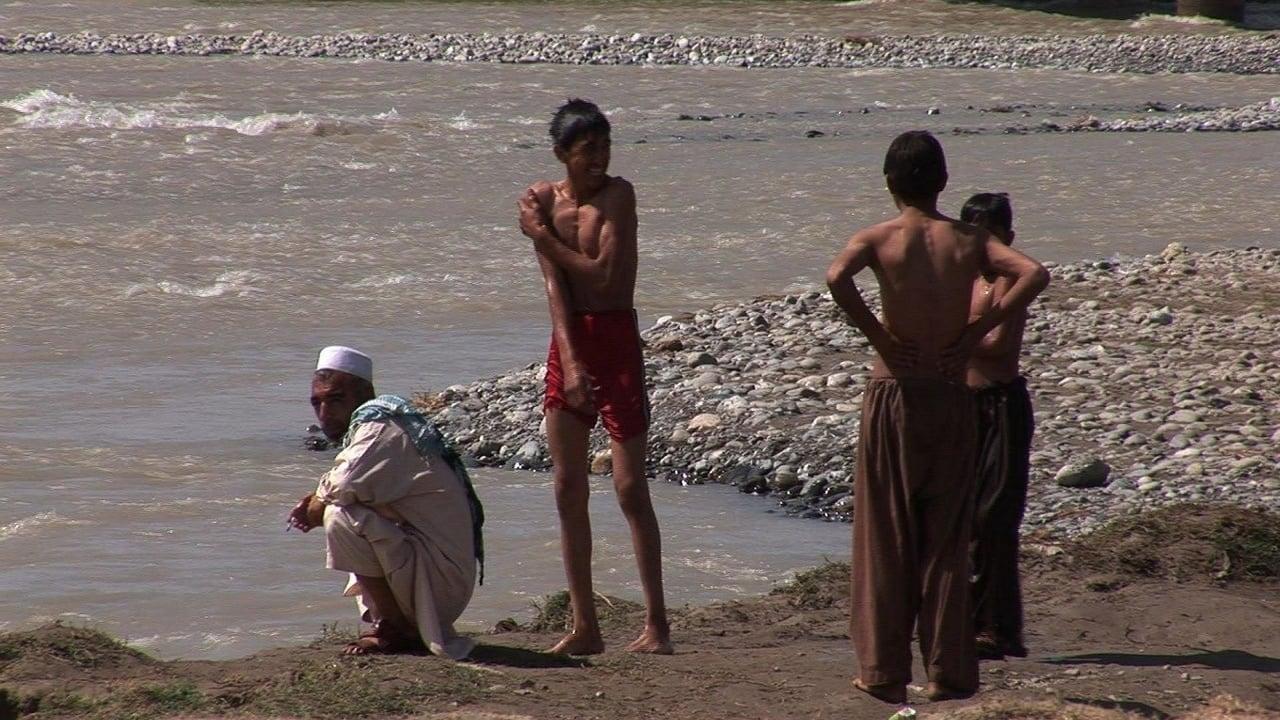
347,360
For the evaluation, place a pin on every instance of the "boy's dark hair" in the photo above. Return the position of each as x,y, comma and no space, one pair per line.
915,167
988,210
574,119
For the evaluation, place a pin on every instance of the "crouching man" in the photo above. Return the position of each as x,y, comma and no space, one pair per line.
398,511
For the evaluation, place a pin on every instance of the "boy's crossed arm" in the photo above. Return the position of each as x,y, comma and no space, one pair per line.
1029,279
618,236
1007,337
577,384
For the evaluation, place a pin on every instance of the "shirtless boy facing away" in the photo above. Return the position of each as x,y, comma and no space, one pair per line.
1006,423
914,484
584,230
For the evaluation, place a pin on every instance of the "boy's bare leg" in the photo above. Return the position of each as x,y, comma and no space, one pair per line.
633,496
568,437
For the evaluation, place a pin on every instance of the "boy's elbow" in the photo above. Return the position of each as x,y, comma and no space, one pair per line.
835,277
1042,277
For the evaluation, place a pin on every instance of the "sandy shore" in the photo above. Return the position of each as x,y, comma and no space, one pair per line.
1111,639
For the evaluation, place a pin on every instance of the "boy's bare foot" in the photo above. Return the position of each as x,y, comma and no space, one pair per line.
654,641
579,644
892,694
988,647
938,693
1014,647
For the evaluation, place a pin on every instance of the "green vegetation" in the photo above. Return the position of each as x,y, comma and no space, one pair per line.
1186,542
65,644
555,613
375,686
176,697
817,588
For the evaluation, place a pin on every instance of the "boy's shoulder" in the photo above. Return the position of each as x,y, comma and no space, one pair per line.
621,187
879,232
618,195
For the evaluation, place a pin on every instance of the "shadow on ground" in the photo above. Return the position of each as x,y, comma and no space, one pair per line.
1216,659
1128,706
521,658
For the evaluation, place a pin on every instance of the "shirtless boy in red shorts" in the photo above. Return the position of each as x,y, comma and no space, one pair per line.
584,229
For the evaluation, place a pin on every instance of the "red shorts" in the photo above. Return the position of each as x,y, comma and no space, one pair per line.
608,345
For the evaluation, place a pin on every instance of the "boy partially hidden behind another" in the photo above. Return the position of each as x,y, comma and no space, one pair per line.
584,229
915,467
1006,423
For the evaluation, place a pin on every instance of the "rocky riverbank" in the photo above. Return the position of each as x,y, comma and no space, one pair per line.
1161,372
1247,118
1225,53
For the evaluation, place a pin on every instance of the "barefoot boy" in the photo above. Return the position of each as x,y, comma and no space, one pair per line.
584,229
915,464
1005,426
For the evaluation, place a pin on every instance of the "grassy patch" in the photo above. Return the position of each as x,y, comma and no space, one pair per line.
49,703
138,703
66,645
817,588
172,698
364,687
1185,542
555,613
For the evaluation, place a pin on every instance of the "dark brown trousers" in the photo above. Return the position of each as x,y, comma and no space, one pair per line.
1006,423
913,515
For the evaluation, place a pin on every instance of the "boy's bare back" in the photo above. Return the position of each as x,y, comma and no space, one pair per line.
926,267
603,230
926,264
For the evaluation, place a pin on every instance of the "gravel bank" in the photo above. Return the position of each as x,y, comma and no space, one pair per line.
1165,369
1241,54
1247,118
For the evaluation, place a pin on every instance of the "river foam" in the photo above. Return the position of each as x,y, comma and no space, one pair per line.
47,109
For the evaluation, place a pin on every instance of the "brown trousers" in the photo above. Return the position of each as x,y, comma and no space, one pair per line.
1006,423
912,522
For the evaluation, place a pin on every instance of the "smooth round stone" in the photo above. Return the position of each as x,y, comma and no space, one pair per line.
704,421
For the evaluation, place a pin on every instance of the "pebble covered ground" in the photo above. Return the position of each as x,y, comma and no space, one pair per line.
1235,53
1156,381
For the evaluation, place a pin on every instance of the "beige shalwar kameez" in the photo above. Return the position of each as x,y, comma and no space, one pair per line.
393,513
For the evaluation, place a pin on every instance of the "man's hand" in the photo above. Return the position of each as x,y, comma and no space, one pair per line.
533,222
954,359
897,354
307,514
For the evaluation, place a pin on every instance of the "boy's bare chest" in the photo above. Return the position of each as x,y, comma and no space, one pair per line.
579,226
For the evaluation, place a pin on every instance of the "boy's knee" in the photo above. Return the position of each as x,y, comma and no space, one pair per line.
633,497
346,520
571,494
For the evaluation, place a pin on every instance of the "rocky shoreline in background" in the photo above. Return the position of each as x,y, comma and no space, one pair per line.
1245,54
1156,381
1254,117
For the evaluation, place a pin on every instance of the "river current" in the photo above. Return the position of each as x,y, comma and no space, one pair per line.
179,236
